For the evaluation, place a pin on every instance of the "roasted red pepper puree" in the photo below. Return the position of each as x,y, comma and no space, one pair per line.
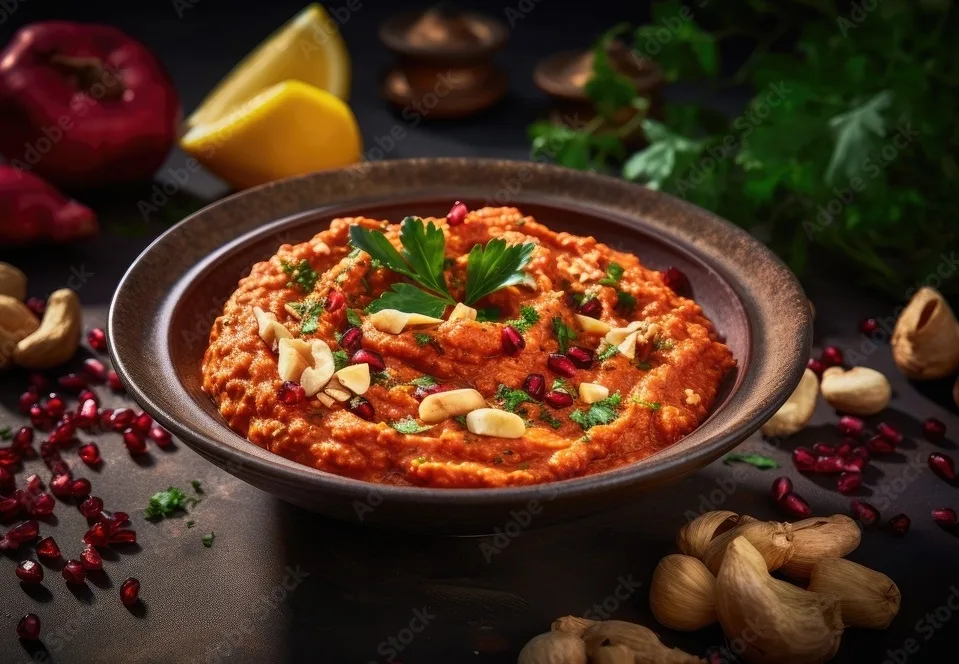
666,391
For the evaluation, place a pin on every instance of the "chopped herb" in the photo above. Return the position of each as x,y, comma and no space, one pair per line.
663,344
520,222
353,318
302,274
559,384
190,523
461,419
165,503
418,460
208,540
578,298
613,274
375,264
423,381
6,433
607,352
422,339
338,336
511,398
585,439
645,366
652,405
487,315
564,333
340,359
382,378
757,460
546,416
601,412
309,312
625,301
408,426
197,487
528,317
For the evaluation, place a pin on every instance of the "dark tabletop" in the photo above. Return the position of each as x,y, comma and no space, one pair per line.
283,584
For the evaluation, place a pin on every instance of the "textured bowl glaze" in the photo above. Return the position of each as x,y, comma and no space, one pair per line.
167,301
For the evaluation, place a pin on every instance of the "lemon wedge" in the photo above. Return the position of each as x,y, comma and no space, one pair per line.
288,129
308,48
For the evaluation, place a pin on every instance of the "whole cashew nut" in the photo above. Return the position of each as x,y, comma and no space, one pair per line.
795,414
16,323
57,338
13,282
859,391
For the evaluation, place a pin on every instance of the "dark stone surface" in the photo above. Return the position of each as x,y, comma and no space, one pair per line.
281,584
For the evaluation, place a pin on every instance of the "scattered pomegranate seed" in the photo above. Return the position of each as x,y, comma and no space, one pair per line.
822,449
113,381
890,432
10,508
591,307
290,393
855,464
34,484
421,392
7,483
72,382
23,532
945,517
362,408
9,457
43,505
105,419
815,366
160,436
134,441
30,572
91,507
28,399
880,445
121,418
28,628
781,486
899,525
73,572
335,300
558,399
794,505
865,512
511,340
831,356
47,548
804,459
37,305
39,418
849,483
535,386
844,450
129,592
95,370
868,326
860,452
829,464
97,339
91,559
933,430
97,535
352,340
87,395
942,465
675,279
62,486
38,382
81,487
851,426
23,439
90,454
457,214
114,521
370,357
581,357
561,365
123,536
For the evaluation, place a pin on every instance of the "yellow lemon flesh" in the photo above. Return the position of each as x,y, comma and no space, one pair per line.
288,129
308,48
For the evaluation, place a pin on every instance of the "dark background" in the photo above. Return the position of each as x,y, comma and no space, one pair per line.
229,603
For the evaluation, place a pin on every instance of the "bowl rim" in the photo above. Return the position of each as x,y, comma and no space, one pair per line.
282,471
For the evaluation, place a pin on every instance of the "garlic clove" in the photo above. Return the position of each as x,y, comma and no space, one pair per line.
335,390
628,346
495,422
925,341
817,538
572,624
867,598
682,594
592,392
355,378
695,536
315,377
444,405
858,391
294,356
795,414
462,312
553,648
775,621
773,540
646,646
592,325
391,321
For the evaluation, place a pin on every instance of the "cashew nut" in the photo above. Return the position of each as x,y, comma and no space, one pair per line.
592,392
462,311
795,414
308,362
13,282
393,321
16,323
859,391
57,338
925,341
592,325
336,390
270,330
628,346
617,335
495,422
443,405
355,378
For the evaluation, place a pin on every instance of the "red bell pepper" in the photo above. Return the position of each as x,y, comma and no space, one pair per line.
31,210
84,105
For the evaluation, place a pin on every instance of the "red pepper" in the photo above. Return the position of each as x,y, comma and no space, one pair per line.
31,209
84,105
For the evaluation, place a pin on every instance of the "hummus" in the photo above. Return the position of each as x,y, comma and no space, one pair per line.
648,362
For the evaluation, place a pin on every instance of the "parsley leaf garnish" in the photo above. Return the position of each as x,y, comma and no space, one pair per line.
197,487
663,344
546,416
412,300
564,333
309,312
190,523
652,405
528,317
165,503
757,460
422,338
423,381
511,399
302,274
487,315
613,274
340,359
601,412
208,540
422,257
607,352
353,318
559,384
6,433
495,266
625,302
409,426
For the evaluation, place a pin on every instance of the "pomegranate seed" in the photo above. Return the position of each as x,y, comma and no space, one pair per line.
123,536
34,484
865,512
535,386
335,301
290,393
160,436
91,507
868,326
105,416
815,366
121,418
851,426
9,457
676,280
28,399
30,572
129,592
72,382
795,506
804,459
457,214
831,356
134,441
47,548
113,381
28,628
39,418
81,487
23,532
421,393
63,433
899,525
9,508
558,399
945,517
844,450
361,408
73,572
370,357
97,339
933,430
90,454
62,486
560,365
880,445
860,452
781,486
88,395
37,305
829,464
942,465
95,370
890,433
7,483
352,340
91,559
113,521
849,483
581,357
43,505
591,307
822,449
511,340
23,439
38,382
97,535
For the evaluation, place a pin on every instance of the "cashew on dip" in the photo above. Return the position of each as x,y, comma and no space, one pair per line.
479,350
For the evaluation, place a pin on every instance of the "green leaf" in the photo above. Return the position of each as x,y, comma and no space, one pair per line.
511,399
613,274
656,163
302,274
564,333
609,90
340,359
422,338
559,384
197,486
309,312
425,248
528,317
6,433
546,416
353,318
165,503
652,405
601,412
857,132
409,426
757,460
423,381
625,302
487,315
496,266
409,298
208,540
607,352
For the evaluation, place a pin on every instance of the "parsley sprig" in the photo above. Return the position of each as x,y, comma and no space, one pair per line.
601,412
302,274
528,317
564,333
